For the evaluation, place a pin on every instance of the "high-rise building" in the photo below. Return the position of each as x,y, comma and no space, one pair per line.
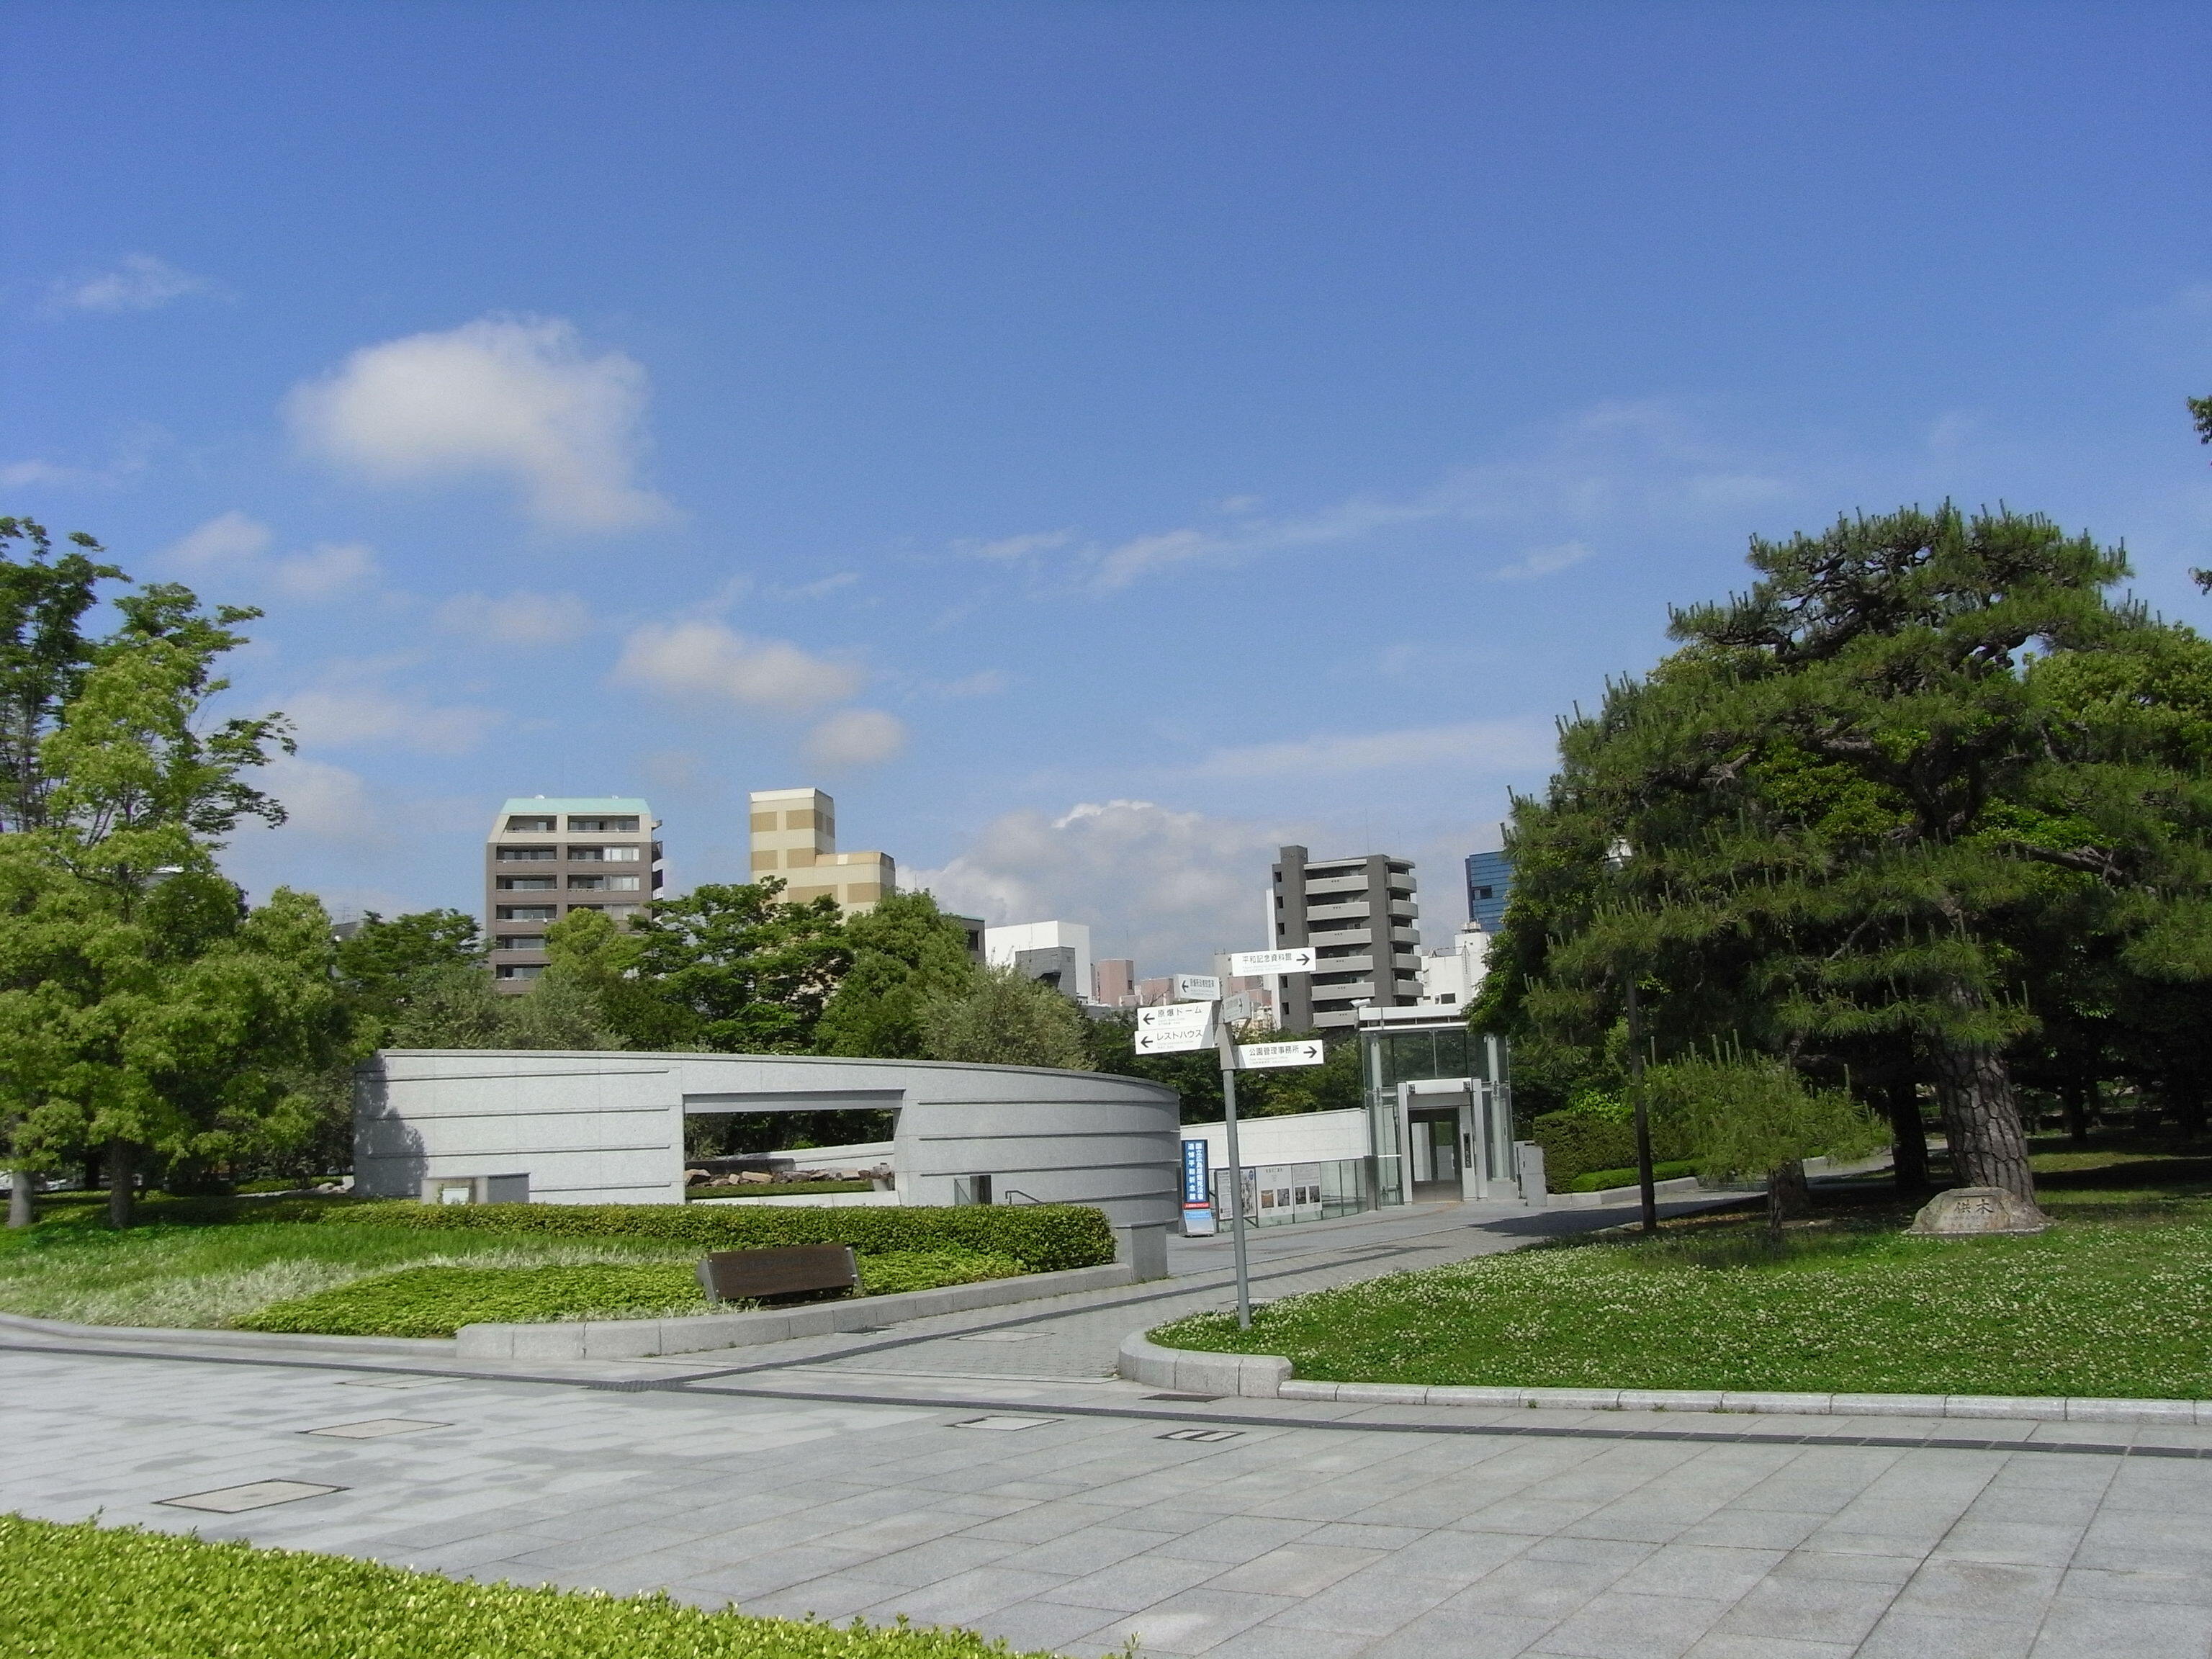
548,856
1114,982
794,836
1489,885
1359,914
1058,952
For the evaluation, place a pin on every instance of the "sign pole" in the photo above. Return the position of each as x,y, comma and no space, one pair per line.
1235,1175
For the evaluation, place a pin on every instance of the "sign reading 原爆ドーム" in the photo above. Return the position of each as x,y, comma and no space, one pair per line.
1172,1028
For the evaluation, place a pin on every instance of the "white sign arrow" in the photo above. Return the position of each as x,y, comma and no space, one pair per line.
1175,1027
1197,987
1263,1057
1292,959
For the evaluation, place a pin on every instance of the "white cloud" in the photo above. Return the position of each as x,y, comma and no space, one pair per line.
1168,888
325,801
353,715
706,659
228,539
819,589
1542,561
327,570
234,544
513,397
856,737
521,618
1009,548
19,475
140,282
1498,745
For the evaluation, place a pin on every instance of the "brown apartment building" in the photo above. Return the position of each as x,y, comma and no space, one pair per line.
547,856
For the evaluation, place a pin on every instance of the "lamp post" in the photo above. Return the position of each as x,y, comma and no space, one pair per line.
1616,858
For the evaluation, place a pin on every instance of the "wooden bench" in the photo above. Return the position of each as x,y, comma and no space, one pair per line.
749,1275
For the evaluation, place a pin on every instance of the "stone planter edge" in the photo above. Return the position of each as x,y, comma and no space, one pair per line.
1267,1376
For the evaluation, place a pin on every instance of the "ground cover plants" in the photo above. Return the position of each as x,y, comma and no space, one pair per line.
84,1592
437,1300
210,1262
2116,1300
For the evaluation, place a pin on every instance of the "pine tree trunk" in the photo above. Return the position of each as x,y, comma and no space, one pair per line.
1787,1195
1981,1119
1908,1135
22,1211
122,1162
2077,1110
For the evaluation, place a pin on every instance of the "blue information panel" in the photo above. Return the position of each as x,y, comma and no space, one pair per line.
1197,1191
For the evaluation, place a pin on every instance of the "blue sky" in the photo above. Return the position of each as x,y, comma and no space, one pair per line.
1094,441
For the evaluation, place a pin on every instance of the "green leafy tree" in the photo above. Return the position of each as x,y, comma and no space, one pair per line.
1849,800
165,1020
452,1004
734,970
2200,411
1002,1017
1752,1115
45,655
384,965
904,951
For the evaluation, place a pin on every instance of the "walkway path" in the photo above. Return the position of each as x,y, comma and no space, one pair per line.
950,1473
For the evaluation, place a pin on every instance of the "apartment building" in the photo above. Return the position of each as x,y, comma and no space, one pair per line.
1114,982
1360,915
548,856
1057,953
794,836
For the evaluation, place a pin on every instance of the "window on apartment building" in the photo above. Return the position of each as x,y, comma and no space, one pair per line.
520,970
524,883
587,884
621,883
602,826
574,908
1482,893
518,942
620,912
526,913
530,826
525,854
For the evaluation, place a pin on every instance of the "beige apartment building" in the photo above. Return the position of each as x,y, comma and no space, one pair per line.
550,856
794,836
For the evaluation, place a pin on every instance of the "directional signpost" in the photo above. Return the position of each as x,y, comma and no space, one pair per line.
1173,1028
1264,1056
1248,1056
1197,987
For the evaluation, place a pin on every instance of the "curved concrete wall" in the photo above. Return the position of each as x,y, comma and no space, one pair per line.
608,1128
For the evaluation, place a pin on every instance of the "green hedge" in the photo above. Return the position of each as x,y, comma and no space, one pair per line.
83,1592
1599,1181
1579,1143
437,1302
1043,1238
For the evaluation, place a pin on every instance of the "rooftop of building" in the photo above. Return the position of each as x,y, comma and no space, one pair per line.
574,804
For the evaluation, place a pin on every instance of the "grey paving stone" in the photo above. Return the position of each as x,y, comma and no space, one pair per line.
1299,1569
1779,1529
1086,1551
1236,1538
1979,1589
1048,1626
1461,1635
1191,1622
1273,1642
1132,1585
1920,1635
1809,1609
1368,1603
2020,1542
1720,1646
2087,1629
1702,1570
964,1597
1525,1587
2104,1583
1618,1625
838,1596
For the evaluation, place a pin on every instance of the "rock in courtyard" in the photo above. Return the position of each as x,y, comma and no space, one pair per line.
1976,1213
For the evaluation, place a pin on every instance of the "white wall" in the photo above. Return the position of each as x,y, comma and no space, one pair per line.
1000,945
1297,1138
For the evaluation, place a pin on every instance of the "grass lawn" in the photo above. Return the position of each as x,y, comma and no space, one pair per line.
86,1592
2115,1301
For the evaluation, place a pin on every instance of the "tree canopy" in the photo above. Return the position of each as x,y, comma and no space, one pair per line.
1834,824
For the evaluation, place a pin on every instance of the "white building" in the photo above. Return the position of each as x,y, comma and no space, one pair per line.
1058,952
1451,976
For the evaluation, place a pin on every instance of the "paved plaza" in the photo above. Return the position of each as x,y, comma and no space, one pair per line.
985,1469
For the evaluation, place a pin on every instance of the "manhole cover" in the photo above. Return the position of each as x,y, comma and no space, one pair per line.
1202,1434
258,1495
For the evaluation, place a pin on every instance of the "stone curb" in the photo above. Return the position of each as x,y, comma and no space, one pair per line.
642,1339
424,1347
1268,1377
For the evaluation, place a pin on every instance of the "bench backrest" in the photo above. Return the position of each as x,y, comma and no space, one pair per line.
729,1275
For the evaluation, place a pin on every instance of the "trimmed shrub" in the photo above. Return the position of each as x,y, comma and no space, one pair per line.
1598,1180
926,1270
439,1301
1043,1238
80,1591
1578,1143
